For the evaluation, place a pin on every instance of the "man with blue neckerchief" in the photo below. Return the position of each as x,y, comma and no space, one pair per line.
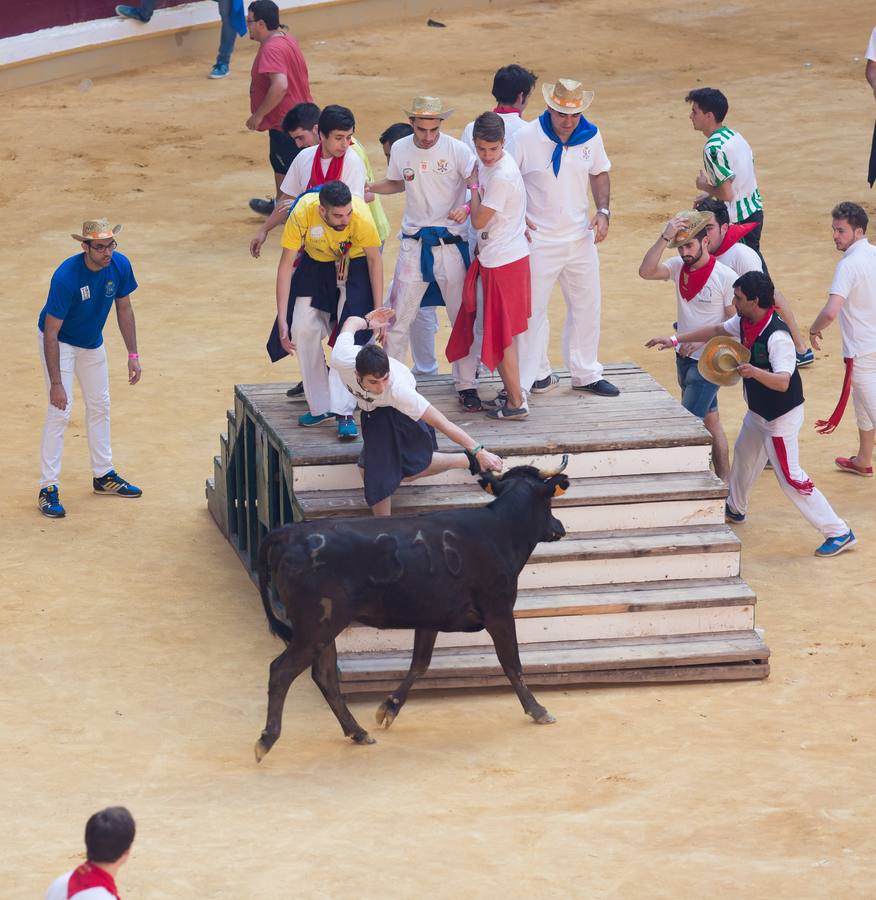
561,157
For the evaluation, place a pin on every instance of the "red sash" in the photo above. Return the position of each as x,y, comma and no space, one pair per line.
826,426
335,167
508,110
88,876
734,234
752,330
802,487
692,281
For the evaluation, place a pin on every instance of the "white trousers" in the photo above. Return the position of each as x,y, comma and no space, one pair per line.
323,389
575,265
754,446
90,369
864,391
407,291
423,331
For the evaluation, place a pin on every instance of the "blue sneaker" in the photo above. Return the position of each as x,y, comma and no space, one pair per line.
347,430
806,358
835,545
730,515
132,12
220,70
112,484
308,420
50,503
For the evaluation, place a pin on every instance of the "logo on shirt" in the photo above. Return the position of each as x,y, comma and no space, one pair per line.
85,291
408,174
585,152
442,167
317,231
110,290
424,165
485,235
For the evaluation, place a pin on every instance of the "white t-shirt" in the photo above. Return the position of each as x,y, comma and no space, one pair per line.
513,122
503,240
58,890
855,281
780,346
434,181
871,47
558,205
741,259
400,392
298,176
708,307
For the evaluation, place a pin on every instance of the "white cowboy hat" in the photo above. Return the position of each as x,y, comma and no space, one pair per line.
695,221
567,96
720,358
427,108
96,230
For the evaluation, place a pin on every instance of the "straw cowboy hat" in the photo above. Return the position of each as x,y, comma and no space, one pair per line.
96,230
695,222
567,96
427,108
720,358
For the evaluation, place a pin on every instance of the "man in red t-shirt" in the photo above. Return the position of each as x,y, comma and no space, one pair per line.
278,82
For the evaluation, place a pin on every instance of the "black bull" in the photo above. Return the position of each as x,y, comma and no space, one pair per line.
446,571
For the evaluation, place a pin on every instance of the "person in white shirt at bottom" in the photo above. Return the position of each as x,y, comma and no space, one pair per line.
561,157
774,394
498,217
398,424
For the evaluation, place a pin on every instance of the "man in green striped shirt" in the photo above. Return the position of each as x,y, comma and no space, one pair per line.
728,164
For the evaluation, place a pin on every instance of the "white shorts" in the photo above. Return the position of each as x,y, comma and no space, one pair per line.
864,391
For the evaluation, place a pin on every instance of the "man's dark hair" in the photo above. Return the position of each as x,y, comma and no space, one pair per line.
852,213
302,115
333,194
709,100
109,834
372,360
511,81
716,208
266,11
335,118
757,286
395,132
488,126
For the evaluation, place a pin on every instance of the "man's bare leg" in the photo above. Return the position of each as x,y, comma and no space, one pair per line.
509,372
864,456
720,448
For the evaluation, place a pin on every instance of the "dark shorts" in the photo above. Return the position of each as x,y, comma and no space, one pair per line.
698,396
752,239
282,150
394,447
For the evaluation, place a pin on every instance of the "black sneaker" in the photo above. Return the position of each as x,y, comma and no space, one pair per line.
601,388
296,390
112,484
543,385
50,503
470,400
260,206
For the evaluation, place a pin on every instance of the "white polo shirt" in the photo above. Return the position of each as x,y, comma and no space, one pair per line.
558,205
58,890
513,123
434,181
298,176
871,47
503,239
855,281
401,389
741,259
708,307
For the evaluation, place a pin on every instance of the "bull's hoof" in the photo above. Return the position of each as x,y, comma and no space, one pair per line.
387,711
544,719
261,750
362,738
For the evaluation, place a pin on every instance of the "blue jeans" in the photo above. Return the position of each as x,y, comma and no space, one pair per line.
698,396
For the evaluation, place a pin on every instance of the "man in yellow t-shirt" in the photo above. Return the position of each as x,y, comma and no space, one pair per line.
339,273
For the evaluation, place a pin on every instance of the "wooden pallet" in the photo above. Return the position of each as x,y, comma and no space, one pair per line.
648,567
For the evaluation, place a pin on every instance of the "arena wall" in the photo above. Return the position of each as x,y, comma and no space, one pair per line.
107,46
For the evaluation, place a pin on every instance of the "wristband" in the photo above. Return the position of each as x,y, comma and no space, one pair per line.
476,449
674,340
474,188
133,356
665,238
467,209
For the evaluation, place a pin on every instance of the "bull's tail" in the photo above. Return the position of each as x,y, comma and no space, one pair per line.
277,627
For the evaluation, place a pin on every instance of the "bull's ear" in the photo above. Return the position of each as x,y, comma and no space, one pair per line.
490,483
487,487
560,484
559,490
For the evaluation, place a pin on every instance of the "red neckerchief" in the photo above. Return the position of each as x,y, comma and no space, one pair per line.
692,281
734,234
752,330
335,167
90,876
826,426
509,110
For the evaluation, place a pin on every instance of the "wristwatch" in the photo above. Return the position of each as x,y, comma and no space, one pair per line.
604,211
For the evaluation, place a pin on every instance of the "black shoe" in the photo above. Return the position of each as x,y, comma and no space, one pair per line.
296,390
260,206
470,400
601,388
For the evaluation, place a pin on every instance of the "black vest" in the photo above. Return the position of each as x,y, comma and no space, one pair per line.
761,399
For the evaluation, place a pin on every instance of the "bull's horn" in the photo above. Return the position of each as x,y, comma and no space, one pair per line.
550,473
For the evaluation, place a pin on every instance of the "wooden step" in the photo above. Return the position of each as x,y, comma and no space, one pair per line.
736,655
587,612
612,503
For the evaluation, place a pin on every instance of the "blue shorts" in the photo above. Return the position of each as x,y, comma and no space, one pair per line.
698,396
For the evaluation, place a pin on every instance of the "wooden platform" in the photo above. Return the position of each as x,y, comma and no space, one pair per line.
646,585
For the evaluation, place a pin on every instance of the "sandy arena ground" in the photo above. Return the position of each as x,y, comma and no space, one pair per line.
135,651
